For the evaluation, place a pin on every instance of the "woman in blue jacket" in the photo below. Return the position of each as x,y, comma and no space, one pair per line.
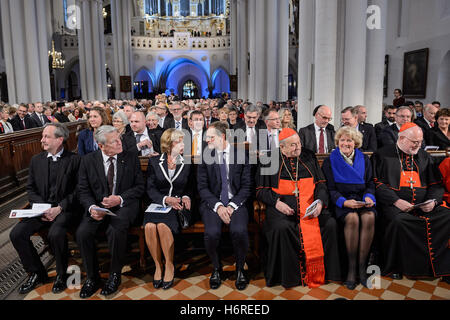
86,143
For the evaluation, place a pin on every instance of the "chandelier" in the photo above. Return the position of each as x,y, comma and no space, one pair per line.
57,61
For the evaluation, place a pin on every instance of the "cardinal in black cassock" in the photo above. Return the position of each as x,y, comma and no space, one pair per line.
297,251
415,240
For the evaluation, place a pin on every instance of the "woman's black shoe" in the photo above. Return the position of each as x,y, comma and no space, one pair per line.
167,285
157,283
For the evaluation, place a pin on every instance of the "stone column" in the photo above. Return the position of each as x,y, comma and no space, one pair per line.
242,51
121,27
260,53
271,48
234,40
283,50
26,51
355,53
376,50
325,54
305,89
252,49
92,51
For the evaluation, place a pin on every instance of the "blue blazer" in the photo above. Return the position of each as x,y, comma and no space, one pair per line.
85,142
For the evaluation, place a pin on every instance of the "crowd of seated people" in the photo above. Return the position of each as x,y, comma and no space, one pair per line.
100,188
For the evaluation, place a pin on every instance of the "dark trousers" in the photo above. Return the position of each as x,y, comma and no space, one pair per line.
238,233
116,234
57,238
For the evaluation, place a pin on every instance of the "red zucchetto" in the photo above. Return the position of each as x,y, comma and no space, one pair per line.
286,133
407,126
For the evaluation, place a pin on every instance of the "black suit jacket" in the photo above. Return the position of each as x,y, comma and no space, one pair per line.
66,181
379,127
421,122
369,137
209,182
170,123
61,117
308,138
93,185
159,183
38,122
129,140
18,125
388,136
260,125
435,137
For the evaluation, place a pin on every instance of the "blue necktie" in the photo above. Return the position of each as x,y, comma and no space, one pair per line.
224,179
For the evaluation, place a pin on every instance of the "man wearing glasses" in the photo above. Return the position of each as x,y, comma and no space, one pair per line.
177,122
415,221
389,135
319,136
273,123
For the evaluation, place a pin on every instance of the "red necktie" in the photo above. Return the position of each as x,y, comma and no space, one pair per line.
24,126
431,124
207,123
321,142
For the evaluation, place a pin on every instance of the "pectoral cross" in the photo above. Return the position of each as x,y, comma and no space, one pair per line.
411,183
296,192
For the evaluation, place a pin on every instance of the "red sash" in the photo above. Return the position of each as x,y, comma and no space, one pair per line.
309,228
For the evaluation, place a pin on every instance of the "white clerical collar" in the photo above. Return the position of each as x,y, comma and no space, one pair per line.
56,156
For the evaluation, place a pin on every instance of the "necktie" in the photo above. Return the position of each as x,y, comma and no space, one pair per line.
138,137
207,123
110,175
224,181
431,124
321,142
177,125
252,135
42,119
23,122
194,145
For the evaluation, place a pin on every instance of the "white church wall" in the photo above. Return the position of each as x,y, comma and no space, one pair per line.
423,24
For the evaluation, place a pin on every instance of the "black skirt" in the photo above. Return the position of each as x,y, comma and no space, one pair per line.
170,219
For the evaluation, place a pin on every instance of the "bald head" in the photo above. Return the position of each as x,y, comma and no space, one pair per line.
323,116
137,122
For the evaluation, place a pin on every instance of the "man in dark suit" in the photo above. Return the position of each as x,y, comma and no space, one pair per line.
139,139
164,116
319,136
389,119
207,112
108,179
59,115
177,121
273,124
52,179
224,186
390,134
428,120
252,127
22,120
349,117
38,115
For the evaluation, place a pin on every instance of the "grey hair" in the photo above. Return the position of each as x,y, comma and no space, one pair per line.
252,108
152,113
61,130
100,134
122,116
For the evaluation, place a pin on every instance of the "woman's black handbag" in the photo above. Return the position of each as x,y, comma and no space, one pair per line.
183,218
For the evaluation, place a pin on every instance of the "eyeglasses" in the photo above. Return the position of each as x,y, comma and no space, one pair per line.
418,142
325,118
274,119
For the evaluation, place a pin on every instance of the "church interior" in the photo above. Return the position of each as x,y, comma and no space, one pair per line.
294,54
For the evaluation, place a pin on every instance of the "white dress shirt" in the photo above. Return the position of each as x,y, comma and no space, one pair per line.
144,136
317,130
7,126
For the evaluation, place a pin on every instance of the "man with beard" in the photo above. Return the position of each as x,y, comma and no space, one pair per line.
415,238
388,120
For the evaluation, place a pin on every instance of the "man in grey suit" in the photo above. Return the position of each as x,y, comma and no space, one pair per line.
38,115
319,136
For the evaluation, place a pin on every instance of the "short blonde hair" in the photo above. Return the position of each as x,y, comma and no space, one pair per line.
168,137
354,134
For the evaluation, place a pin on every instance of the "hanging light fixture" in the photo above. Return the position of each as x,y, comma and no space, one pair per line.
57,61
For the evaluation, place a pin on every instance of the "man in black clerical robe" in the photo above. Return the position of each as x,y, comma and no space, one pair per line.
415,240
297,251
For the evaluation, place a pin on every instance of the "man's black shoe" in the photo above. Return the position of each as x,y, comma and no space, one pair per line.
33,280
89,288
215,281
396,276
241,280
112,284
60,284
